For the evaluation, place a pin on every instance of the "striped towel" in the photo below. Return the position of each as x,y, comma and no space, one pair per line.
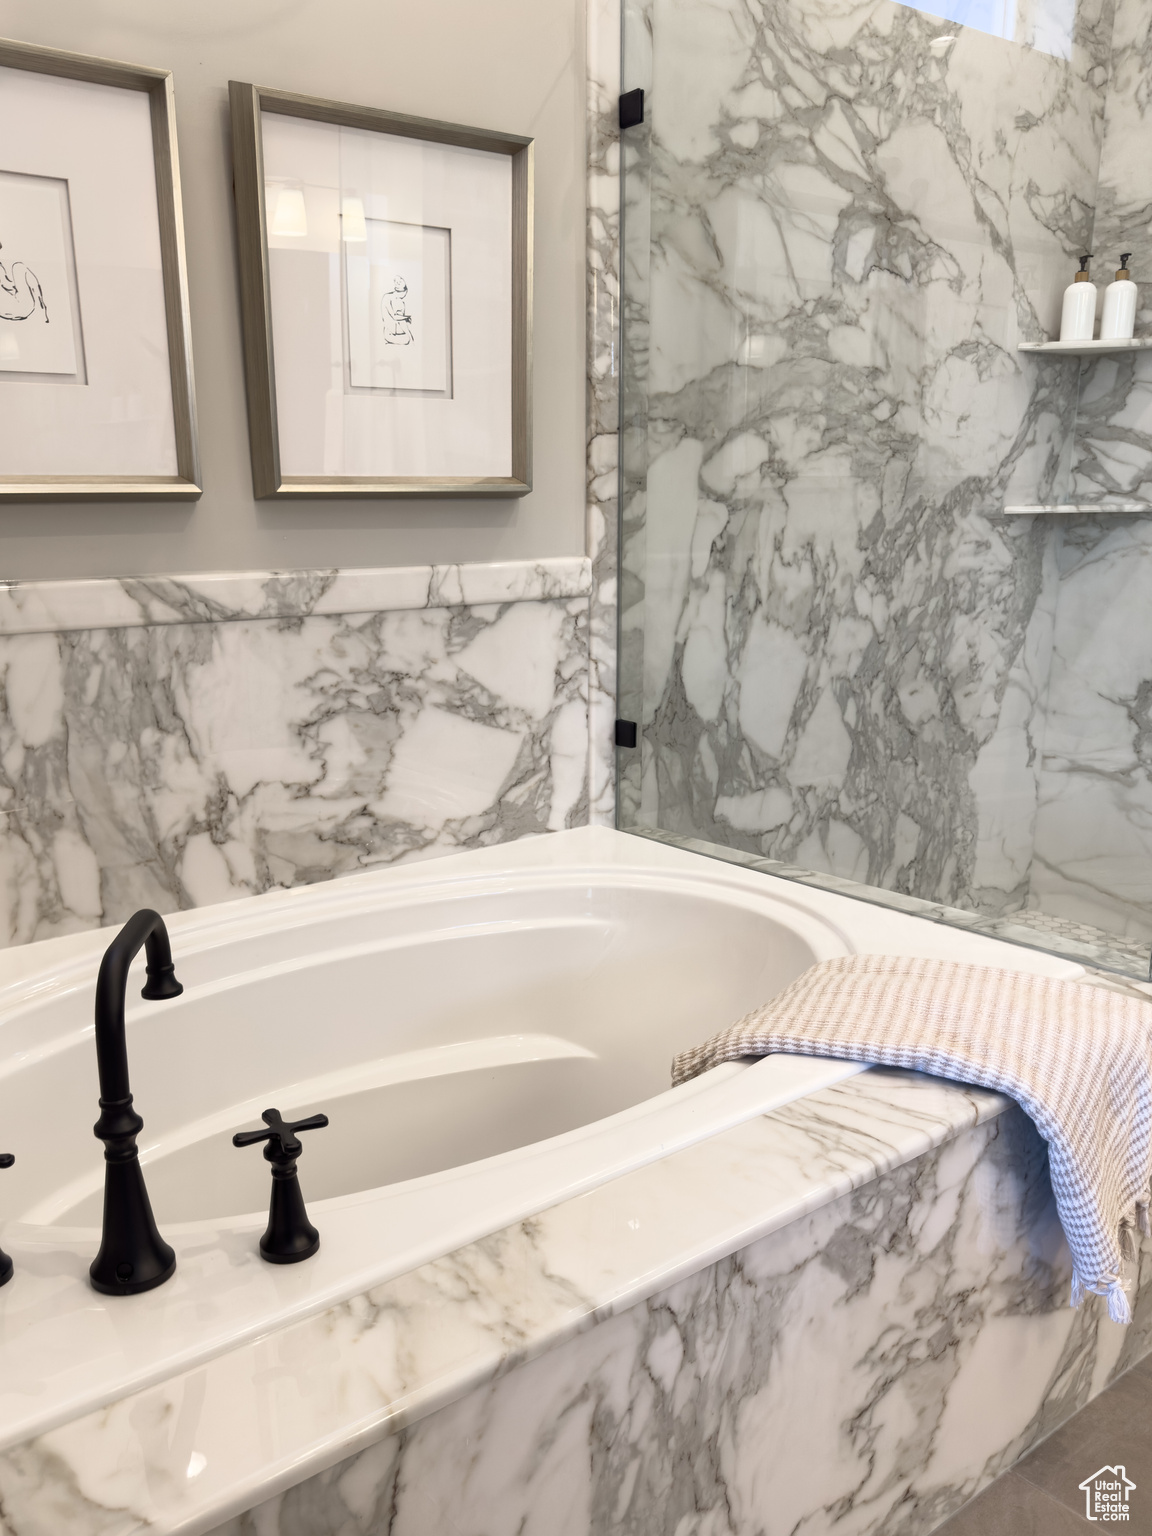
1077,1059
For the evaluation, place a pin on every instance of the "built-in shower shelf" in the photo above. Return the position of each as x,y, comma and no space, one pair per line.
1082,508
1086,348
1068,508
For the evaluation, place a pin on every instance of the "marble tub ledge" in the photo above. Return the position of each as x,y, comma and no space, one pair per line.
130,602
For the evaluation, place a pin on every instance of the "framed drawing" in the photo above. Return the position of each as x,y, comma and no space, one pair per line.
96,387
386,286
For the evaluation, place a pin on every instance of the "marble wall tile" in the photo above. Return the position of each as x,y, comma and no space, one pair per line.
1114,420
1094,826
865,1369
177,764
855,216
1092,860
603,293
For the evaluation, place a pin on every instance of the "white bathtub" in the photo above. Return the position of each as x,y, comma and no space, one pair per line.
489,1033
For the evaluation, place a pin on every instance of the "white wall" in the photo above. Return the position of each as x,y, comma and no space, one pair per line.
517,66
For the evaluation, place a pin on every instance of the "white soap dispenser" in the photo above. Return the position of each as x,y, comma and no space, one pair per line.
1078,316
1119,319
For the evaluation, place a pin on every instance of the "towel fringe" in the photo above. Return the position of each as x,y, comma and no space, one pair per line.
1111,1286
1118,1309
1127,1245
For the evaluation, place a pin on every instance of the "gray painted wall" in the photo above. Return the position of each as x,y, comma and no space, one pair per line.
518,67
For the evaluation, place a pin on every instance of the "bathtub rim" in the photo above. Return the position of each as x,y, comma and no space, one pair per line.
874,930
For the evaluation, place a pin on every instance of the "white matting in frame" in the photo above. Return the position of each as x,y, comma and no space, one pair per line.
398,306
39,311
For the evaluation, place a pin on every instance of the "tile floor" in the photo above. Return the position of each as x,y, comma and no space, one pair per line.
1041,1495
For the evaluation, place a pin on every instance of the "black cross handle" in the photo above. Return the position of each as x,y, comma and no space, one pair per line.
281,1131
6,1161
290,1236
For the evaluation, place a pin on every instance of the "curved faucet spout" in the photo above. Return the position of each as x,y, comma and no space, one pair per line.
133,1256
143,928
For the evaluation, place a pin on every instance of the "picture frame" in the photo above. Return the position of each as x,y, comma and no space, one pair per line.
96,380
386,294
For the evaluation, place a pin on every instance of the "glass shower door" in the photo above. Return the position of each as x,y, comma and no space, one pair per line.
845,653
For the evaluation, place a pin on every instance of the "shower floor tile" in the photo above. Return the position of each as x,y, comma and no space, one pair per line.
1134,950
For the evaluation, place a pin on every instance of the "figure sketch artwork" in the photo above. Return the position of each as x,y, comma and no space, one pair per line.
38,320
399,306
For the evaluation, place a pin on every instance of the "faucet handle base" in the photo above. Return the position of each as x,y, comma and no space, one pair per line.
289,1236
133,1256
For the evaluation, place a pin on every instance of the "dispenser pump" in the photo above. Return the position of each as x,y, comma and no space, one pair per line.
1118,321
1078,314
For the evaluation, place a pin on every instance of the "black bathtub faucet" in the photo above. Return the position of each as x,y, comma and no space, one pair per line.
133,1256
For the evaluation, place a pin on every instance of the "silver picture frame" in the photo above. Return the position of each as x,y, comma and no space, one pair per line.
156,84
248,104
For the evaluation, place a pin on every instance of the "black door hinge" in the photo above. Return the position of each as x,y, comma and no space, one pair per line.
632,108
625,733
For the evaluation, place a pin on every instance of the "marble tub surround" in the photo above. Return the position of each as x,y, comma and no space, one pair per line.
855,217
213,1405
726,1271
510,926
170,742
845,1374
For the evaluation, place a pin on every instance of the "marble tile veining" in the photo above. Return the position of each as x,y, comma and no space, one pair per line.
173,763
32,607
811,1313
843,659
1094,824
1094,827
864,1369
844,653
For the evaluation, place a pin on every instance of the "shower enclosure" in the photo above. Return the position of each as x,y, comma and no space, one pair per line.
886,579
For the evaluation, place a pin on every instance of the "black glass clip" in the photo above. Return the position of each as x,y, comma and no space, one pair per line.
632,108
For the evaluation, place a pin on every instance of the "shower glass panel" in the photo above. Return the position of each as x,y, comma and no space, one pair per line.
851,659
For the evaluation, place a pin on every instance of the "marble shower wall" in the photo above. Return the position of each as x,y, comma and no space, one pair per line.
1092,860
216,737
1114,419
1093,846
856,214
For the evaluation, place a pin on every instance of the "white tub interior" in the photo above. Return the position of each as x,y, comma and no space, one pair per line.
434,1030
